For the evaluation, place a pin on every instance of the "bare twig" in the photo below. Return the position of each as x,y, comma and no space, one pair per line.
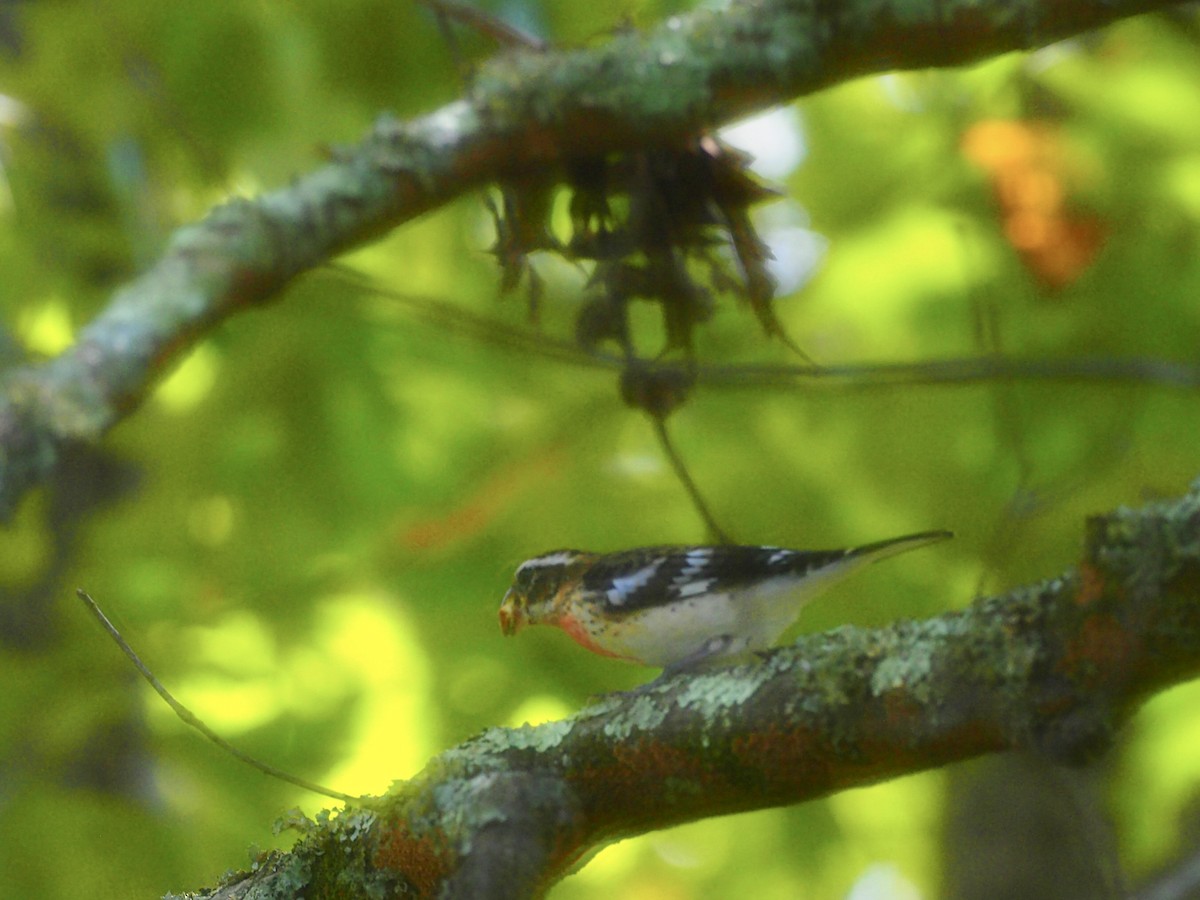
716,532
526,112
190,718
1054,667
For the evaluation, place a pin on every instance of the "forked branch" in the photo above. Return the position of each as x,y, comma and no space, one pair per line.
526,111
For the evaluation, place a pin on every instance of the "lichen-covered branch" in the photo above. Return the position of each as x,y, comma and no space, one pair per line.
525,110
1054,668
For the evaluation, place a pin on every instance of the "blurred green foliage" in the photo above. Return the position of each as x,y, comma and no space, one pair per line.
307,528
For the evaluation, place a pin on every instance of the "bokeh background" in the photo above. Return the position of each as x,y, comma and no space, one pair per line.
307,527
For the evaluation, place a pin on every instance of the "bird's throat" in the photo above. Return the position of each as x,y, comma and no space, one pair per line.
580,635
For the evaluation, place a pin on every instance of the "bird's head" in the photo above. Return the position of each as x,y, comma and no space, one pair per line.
539,588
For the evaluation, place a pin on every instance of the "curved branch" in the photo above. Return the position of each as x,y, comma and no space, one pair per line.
525,110
1055,667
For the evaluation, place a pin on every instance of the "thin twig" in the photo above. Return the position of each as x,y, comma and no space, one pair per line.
681,472
193,720
962,371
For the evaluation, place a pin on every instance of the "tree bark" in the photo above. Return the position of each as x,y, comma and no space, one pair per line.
525,110
1053,668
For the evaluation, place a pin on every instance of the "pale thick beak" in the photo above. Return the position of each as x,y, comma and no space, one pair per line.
512,617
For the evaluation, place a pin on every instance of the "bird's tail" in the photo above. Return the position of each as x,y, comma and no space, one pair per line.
883,549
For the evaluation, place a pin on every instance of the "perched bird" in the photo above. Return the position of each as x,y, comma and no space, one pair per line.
682,607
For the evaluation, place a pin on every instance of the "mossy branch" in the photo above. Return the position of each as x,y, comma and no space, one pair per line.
525,110
1054,668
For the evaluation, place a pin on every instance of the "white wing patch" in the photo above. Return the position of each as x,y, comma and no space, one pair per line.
625,585
695,562
778,556
694,588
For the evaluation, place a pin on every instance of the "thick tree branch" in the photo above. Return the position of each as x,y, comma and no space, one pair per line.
525,110
1054,668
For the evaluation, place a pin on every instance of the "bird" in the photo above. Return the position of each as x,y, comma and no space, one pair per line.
683,607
